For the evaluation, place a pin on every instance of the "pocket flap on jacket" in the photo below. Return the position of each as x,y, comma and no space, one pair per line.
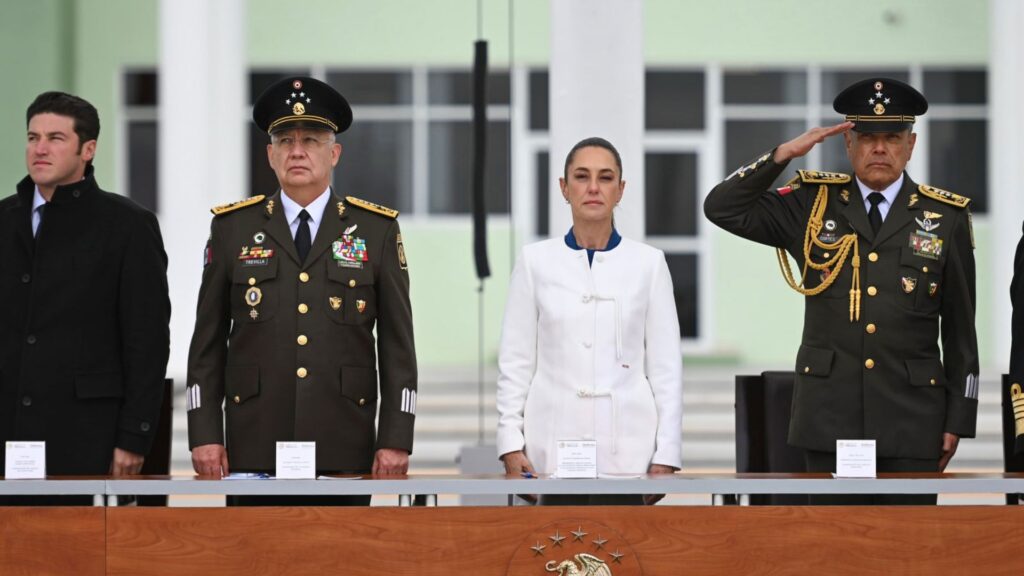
100,385
814,361
242,273
359,383
241,383
926,372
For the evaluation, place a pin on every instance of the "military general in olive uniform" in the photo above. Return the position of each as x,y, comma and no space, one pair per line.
881,260
293,286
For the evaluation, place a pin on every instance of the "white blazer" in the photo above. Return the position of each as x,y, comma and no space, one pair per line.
591,352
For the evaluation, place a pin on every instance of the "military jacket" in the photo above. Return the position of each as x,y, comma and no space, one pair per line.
1017,347
284,350
877,374
83,326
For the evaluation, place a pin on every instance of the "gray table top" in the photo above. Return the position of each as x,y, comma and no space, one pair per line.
680,483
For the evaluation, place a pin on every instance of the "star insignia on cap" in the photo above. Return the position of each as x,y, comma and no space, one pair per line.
288,102
308,100
301,94
886,101
878,94
616,556
293,94
600,542
871,100
578,534
557,538
538,549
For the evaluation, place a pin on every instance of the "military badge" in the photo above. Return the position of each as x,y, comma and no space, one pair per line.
349,251
253,297
270,207
927,225
844,195
933,289
361,306
926,244
908,284
255,256
335,302
402,263
258,238
207,254
913,200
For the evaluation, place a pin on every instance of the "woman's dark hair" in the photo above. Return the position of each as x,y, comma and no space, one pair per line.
592,142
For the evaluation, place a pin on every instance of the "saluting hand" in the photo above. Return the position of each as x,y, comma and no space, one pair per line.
803,143
390,461
210,460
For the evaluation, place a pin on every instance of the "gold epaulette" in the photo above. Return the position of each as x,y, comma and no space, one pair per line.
944,196
365,205
225,208
818,177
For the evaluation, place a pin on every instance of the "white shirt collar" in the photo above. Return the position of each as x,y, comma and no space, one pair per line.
890,192
315,208
37,200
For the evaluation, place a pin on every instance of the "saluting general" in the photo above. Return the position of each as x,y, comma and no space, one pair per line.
889,349
293,286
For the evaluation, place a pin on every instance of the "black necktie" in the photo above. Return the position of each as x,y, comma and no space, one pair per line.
303,240
41,209
875,215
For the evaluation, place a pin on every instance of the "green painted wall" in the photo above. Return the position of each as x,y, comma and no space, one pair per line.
33,42
826,31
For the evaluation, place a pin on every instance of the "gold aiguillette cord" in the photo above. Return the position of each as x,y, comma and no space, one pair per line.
842,248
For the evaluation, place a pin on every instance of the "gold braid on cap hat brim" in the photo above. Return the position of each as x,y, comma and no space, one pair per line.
834,265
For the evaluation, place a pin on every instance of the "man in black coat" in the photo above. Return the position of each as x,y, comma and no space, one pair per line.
883,259
84,308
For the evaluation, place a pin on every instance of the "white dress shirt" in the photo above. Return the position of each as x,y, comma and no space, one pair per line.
890,195
315,209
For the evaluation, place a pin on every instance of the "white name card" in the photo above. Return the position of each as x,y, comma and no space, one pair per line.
855,458
296,460
25,460
577,459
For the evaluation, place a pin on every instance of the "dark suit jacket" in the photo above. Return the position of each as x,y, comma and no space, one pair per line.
1017,346
880,377
84,317
288,346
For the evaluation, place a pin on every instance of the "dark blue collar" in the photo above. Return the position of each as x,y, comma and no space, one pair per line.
613,241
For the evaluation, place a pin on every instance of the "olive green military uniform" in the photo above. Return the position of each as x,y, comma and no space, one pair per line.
288,346
869,364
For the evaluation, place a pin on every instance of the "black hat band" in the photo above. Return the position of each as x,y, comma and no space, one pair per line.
862,118
303,118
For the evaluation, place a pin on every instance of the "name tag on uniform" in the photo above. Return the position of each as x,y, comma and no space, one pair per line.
25,460
296,460
855,459
576,459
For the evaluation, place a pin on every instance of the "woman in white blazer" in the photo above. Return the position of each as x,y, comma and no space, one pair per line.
590,342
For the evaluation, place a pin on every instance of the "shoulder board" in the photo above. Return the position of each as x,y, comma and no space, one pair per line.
225,208
944,196
383,210
818,177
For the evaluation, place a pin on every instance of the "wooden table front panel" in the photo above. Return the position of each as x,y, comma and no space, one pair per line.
58,541
496,541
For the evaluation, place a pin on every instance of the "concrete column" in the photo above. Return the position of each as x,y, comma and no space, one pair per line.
1005,168
203,104
597,89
